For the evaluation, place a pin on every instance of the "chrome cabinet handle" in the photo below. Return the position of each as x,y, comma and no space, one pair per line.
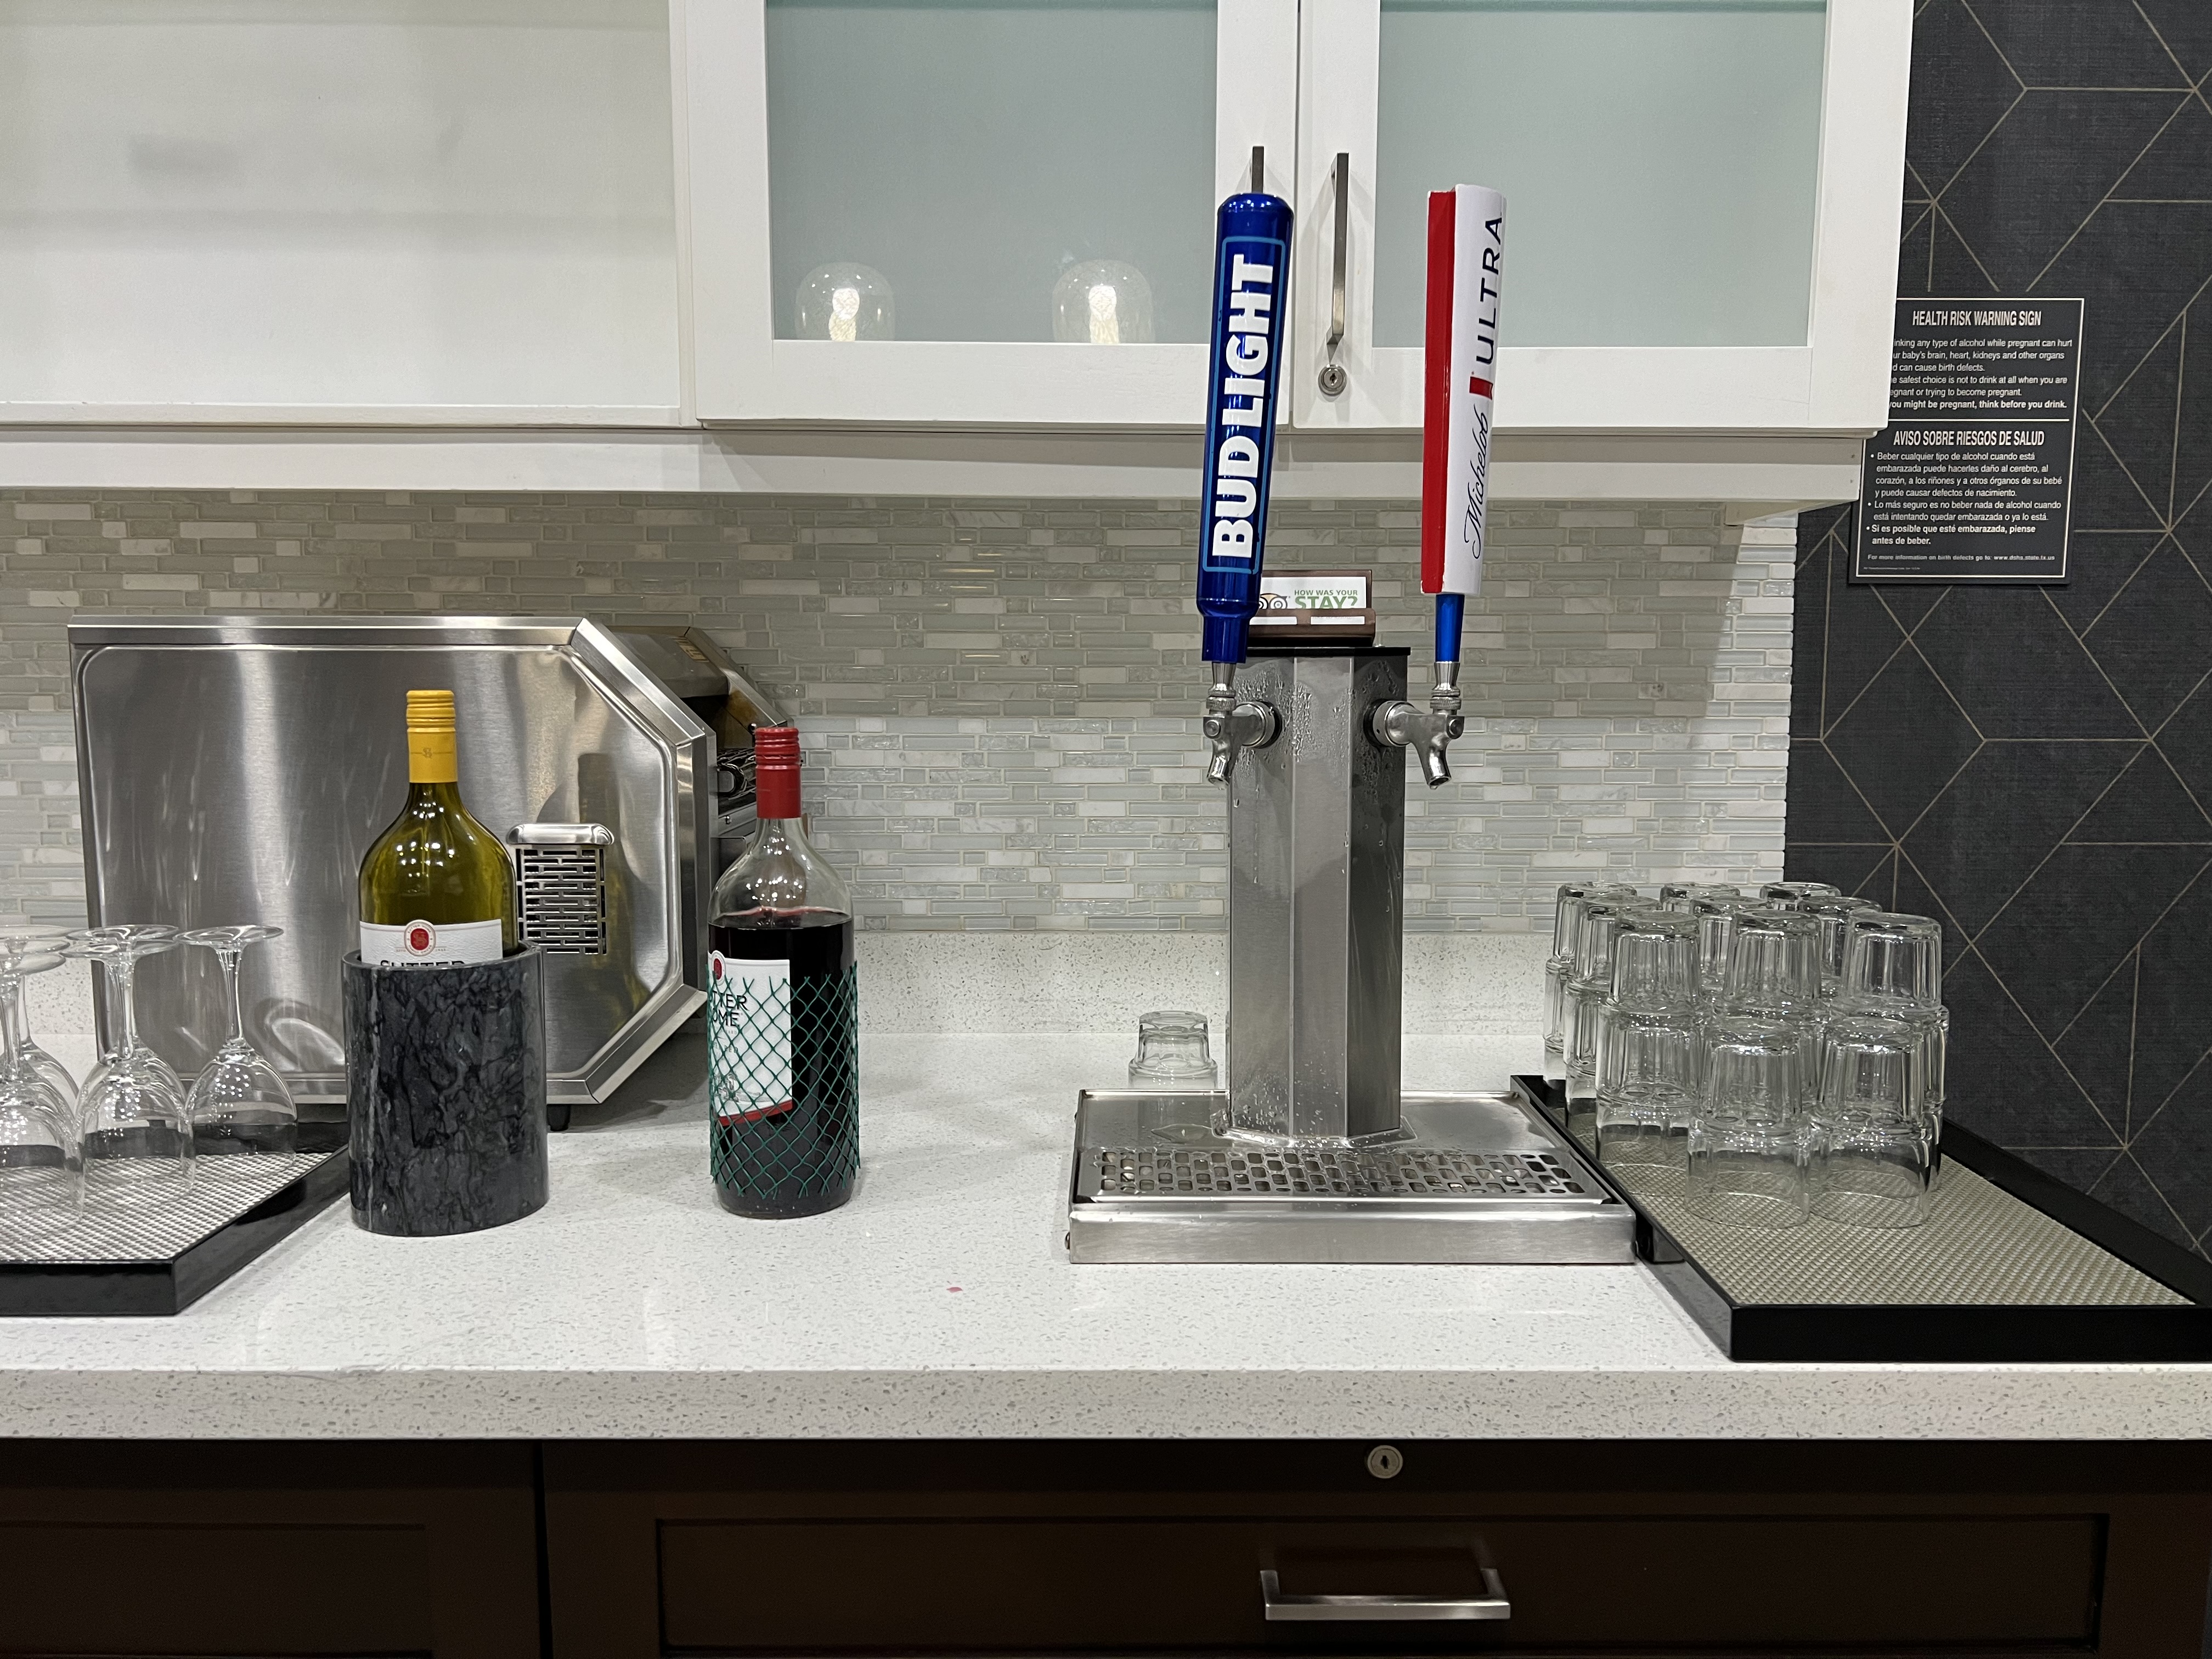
1373,1608
1332,377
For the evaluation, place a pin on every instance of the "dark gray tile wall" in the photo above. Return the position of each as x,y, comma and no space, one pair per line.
2035,765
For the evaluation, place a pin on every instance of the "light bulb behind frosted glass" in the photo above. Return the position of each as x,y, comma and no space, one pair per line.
846,302
1102,302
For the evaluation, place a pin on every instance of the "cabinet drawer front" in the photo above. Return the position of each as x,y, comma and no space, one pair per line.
293,1590
1043,1586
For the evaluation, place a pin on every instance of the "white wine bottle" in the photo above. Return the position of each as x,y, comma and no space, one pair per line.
437,888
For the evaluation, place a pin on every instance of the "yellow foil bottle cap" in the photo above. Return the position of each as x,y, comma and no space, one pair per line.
431,756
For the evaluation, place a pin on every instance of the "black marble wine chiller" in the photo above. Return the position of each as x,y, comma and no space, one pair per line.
445,1082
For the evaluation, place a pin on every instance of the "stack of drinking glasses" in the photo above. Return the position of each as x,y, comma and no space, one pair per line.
1879,1108
1650,1037
1559,969
1748,1151
128,1139
1596,936
1783,1056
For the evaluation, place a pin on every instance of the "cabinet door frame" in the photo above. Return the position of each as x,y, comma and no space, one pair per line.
739,372
1837,382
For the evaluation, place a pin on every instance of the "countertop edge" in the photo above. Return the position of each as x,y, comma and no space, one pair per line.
1928,1403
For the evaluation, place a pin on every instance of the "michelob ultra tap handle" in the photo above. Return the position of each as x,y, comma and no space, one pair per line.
1251,278
1467,279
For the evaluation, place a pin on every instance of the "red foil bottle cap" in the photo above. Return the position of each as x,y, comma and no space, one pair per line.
775,770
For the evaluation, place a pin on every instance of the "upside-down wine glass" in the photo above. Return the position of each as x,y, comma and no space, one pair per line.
238,1103
133,1112
45,941
41,1173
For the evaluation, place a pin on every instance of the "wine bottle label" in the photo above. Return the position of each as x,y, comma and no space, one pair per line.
430,944
748,1037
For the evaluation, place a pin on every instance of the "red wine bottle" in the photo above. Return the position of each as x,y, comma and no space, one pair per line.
783,1073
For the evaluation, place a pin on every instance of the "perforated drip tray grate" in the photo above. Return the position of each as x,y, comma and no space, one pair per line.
146,1242
139,1210
1479,1178
1133,1172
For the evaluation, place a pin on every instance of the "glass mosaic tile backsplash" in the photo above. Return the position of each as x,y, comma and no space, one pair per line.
998,699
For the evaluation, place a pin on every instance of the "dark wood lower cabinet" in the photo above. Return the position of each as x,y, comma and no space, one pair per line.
271,1551
1737,1549
258,1548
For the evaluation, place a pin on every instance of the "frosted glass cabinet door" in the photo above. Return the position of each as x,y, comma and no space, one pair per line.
972,155
969,211
319,210
1698,191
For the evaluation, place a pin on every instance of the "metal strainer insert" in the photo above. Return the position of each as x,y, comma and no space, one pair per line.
1471,1177
1133,1172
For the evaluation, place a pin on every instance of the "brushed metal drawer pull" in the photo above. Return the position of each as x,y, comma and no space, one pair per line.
1378,1607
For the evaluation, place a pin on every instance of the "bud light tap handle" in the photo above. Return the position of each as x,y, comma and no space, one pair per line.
1251,282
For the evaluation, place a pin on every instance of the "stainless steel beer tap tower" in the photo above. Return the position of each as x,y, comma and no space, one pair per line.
1317,1153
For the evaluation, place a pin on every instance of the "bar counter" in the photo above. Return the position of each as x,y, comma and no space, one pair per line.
939,1305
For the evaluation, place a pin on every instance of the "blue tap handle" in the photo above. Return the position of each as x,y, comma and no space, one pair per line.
1251,322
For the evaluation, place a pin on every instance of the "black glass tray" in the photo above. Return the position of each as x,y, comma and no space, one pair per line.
2014,1266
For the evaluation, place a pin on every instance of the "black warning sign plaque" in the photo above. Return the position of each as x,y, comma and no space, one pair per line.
1972,480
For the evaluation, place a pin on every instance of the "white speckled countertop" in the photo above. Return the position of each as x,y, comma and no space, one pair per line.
939,1304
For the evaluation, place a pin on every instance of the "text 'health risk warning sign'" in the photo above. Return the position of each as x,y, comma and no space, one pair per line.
1972,479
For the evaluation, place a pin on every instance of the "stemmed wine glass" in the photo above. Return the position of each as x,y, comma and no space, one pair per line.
238,1103
41,1171
45,941
133,1106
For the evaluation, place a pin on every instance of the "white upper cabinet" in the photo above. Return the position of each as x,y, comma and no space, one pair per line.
986,223
1702,202
969,212
407,211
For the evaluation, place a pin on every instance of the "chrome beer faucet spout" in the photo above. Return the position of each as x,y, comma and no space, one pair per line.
1428,735
1230,724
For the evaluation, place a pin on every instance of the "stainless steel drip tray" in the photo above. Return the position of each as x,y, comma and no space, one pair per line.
1478,1177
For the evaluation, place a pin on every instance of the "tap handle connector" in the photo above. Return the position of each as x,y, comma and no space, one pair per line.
1231,723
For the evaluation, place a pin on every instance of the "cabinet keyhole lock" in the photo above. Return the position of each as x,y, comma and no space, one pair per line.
1384,1462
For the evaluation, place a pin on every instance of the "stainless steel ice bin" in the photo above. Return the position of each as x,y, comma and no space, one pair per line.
236,769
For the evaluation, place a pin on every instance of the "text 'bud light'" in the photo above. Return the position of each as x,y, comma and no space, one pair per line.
1251,288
